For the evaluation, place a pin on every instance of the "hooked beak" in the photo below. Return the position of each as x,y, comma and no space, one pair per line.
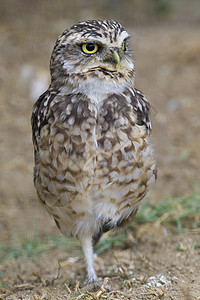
117,59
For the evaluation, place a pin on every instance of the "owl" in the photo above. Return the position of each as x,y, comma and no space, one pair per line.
94,162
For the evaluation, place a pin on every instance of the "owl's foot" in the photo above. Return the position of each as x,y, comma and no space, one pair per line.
93,286
92,278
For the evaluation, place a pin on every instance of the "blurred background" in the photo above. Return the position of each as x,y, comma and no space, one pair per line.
166,42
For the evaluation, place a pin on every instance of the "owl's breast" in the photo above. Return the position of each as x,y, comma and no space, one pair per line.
93,162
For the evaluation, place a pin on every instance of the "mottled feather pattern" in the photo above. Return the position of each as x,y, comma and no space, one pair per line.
93,159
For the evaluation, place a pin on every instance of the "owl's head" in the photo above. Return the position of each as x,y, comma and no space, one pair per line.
93,53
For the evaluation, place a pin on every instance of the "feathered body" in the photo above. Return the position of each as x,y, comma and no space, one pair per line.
93,159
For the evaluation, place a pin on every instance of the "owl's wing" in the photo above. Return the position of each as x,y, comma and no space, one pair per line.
142,109
40,115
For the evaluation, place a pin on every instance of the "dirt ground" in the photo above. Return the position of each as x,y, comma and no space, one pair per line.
156,262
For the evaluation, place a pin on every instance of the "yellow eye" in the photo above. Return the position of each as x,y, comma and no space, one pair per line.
123,46
89,48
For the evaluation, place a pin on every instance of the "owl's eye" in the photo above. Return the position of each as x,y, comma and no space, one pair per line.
89,48
124,46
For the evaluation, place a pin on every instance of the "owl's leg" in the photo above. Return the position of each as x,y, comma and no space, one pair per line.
86,243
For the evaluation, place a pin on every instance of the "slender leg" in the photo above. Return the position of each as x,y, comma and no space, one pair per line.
86,243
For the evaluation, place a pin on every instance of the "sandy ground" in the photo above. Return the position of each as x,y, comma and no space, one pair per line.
149,266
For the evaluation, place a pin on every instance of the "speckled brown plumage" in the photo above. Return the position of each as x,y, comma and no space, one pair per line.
93,159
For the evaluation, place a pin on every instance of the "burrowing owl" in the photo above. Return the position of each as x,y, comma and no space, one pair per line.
93,160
